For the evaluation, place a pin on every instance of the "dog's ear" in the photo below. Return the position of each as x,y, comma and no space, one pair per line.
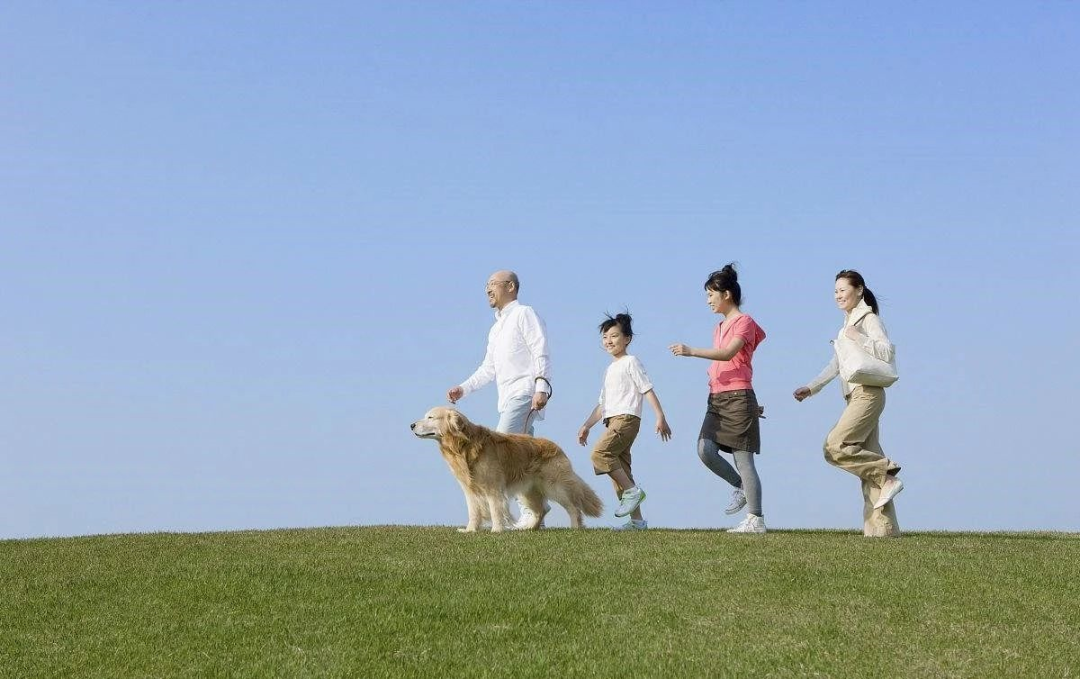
455,421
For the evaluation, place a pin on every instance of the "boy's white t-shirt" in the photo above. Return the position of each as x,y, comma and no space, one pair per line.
625,383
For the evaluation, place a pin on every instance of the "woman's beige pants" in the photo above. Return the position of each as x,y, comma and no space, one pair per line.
853,446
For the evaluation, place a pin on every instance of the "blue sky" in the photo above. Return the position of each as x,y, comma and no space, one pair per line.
243,246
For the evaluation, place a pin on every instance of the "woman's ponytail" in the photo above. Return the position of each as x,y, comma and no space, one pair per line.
856,280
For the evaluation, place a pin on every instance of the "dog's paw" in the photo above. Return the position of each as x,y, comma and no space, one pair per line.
467,529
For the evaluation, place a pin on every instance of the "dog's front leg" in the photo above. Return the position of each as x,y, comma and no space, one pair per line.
475,513
499,509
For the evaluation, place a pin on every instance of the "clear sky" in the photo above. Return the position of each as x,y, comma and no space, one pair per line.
243,245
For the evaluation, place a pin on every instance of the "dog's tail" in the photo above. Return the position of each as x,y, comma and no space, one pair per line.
585,497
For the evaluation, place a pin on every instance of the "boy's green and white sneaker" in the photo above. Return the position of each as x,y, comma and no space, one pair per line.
631,498
751,524
632,524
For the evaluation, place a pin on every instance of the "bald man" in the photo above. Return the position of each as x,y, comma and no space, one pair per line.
517,360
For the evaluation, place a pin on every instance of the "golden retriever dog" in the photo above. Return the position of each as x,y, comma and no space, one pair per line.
491,467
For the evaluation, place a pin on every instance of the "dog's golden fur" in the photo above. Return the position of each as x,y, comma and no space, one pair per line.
491,466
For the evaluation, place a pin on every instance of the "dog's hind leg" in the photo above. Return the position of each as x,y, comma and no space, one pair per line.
570,491
562,496
575,516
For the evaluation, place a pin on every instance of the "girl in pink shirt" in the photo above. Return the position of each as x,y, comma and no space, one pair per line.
731,419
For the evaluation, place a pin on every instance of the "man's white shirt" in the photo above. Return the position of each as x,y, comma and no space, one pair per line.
625,383
517,353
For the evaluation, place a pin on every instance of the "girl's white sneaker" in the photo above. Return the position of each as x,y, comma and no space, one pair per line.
738,501
890,490
751,524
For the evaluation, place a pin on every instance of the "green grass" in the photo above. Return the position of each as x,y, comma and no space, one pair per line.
430,602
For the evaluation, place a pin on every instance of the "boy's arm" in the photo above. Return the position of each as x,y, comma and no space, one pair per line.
594,417
725,353
662,427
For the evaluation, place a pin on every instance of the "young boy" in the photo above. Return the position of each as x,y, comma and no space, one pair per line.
625,386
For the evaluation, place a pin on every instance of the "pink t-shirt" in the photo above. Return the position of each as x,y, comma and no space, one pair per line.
738,372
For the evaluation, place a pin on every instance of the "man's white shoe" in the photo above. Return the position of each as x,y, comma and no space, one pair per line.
631,498
528,518
889,491
738,501
525,520
751,524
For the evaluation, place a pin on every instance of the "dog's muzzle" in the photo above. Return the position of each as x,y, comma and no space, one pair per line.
421,434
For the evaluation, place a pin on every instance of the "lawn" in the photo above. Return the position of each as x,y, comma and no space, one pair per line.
430,602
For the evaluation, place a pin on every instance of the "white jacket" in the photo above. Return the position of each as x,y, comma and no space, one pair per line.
875,341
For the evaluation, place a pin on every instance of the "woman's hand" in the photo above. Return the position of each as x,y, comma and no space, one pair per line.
852,333
801,393
681,350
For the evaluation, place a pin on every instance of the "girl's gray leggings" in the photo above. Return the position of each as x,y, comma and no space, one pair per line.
746,477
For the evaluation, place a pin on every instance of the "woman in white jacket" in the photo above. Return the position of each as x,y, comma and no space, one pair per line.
853,445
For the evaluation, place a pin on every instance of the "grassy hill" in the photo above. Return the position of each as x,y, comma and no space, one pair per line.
430,602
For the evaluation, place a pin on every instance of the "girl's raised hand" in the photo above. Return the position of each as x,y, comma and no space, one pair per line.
801,393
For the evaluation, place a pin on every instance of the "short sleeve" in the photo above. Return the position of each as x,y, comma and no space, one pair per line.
744,328
638,376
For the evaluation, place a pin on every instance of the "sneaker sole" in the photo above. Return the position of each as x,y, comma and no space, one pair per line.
735,510
879,504
630,510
